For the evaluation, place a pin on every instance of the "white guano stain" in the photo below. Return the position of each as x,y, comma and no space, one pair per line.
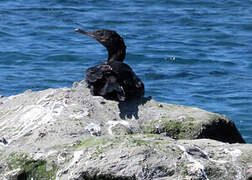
196,165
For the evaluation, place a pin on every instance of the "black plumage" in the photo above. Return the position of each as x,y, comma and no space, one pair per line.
113,79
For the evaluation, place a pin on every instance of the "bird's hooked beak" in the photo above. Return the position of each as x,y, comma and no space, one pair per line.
90,34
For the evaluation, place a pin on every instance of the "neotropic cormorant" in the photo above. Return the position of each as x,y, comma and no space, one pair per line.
113,79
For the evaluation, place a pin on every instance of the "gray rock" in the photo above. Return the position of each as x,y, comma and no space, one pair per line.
67,133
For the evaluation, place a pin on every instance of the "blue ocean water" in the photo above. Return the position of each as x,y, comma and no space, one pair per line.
196,53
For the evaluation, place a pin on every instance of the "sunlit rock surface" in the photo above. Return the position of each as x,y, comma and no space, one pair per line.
67,133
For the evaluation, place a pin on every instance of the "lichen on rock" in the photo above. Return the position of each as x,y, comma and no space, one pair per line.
22,166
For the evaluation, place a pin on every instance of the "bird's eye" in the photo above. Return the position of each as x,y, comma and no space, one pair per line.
100,34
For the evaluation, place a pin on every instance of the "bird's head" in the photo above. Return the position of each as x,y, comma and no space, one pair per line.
111,40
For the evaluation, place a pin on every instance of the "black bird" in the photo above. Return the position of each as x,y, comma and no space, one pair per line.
113,79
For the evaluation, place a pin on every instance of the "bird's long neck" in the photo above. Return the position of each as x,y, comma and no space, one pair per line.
116,53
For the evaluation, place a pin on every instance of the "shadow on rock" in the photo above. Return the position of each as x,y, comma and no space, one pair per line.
130,109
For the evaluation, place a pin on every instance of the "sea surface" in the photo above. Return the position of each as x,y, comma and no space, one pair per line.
196,53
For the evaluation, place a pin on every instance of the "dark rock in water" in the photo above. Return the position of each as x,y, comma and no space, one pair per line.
67,133
112,79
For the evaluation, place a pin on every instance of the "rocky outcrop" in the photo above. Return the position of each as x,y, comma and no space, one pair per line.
67,133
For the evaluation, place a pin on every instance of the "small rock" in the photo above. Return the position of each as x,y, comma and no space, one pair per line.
181,118
94,129
75,143
101,156
160,105
123,156
102,102
62,157
3,140
42,134
196,152
28,91
75,84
